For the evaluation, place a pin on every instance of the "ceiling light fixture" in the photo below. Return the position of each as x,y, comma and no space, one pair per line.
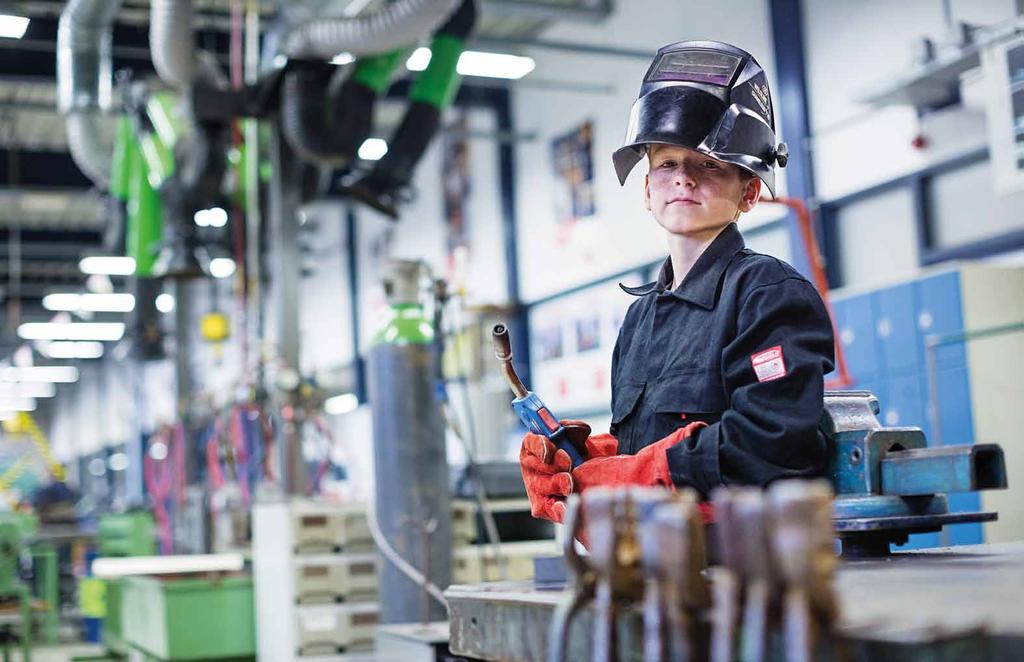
27,390
165,302
373,149
13,27
91,302
479,63
54,374
71,349
107,265
222,267
109,331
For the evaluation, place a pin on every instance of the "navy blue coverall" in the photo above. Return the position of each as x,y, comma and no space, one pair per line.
743,344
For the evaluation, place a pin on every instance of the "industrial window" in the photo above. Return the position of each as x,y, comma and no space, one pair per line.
964,207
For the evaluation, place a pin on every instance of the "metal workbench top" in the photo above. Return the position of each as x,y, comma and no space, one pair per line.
961,594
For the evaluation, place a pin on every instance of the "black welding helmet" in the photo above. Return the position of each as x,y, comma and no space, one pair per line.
710,97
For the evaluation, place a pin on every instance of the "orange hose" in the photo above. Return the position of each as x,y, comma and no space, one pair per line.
817,263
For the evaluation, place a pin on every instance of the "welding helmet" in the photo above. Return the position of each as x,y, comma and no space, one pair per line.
710,97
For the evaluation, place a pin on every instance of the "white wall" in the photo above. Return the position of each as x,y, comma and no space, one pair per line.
854,46
622,234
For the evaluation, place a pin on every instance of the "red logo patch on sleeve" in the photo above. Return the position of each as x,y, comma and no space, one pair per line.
769,364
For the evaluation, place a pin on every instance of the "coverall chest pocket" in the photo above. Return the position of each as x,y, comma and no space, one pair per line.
682,397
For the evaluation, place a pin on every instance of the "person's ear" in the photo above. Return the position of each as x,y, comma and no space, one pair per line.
647,192
751,194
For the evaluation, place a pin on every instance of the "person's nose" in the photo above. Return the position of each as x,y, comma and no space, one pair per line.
685,175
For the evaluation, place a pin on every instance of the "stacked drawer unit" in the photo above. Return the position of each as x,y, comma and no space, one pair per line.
523,537
316,580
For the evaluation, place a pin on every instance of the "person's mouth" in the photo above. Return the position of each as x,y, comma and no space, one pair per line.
683,200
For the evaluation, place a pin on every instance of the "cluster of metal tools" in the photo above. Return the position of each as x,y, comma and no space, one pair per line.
770,599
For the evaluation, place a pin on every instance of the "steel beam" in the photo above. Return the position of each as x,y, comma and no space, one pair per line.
590,11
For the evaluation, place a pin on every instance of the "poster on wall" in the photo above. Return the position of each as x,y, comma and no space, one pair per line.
572,155
1004,73
455,185
571,343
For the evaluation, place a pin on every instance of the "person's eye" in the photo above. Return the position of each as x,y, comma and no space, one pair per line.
667,164
711,165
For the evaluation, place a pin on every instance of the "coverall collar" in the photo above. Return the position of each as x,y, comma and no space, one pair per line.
700,286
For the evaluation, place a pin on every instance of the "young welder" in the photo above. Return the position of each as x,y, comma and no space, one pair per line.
717,373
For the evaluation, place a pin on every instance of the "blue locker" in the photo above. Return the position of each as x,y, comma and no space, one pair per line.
965,534
899,346
904,405
940,313
956,421
855,322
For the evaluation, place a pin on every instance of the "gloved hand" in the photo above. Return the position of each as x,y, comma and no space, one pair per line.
546,469
597,445
648,467
546,476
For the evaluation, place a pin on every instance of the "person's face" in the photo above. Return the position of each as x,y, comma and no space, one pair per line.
691,194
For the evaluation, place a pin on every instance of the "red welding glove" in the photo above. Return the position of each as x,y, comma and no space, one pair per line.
546,476
546,469
648,467
597,445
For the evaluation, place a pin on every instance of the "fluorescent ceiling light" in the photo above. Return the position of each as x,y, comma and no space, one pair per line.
13,27
341,404
222,267
479,63
419,59
373,149
165,302
17,404
91,302
107,265
27,390
73,331
494,65
215,217
53,374
343,58
177,564
71,349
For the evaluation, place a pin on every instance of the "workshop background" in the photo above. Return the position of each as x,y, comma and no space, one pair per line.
253,253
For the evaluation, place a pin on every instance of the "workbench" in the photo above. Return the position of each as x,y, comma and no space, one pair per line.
961,603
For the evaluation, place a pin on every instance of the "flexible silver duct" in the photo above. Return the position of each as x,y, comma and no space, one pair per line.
398,24
84,81
170,41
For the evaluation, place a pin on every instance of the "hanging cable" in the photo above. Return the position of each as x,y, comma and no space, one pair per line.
389,552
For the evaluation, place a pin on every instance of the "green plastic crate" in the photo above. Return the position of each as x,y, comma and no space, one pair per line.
189,618
127,534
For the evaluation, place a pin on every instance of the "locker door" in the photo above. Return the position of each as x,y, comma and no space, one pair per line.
939,312
896,329
855,321
955,418
905,403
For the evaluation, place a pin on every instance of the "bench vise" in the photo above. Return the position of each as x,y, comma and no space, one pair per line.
889,483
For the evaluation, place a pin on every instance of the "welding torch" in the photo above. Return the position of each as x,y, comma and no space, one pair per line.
534,414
